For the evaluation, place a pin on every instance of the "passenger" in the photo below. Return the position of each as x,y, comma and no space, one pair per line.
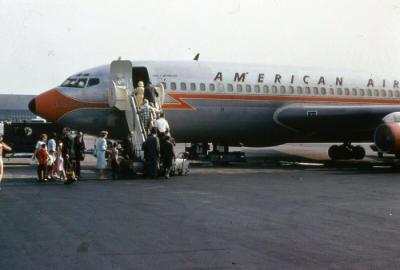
79,150
150,93
3,147
43,157
68,146
60,162
162,125
147,114
101,148
129,148
151,148
139,94
167,155
115,161
52,148
42,140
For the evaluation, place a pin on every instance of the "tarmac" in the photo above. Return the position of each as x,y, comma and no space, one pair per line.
287,207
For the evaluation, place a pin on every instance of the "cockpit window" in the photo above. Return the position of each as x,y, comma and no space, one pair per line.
69,82
80,82
93,81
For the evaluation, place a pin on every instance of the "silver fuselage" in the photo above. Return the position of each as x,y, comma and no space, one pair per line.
238,104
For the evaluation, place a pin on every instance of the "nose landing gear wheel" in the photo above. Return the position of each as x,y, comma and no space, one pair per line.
333,152
358,152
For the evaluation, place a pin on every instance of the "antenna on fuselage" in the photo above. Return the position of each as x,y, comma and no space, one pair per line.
196,58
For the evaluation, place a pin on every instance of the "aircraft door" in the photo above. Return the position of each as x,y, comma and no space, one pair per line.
122,87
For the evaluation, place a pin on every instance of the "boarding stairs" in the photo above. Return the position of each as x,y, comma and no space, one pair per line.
121,96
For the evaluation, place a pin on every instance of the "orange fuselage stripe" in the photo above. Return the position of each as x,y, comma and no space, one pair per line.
181,104
52,105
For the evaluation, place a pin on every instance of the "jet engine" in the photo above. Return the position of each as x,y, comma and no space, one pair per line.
387,135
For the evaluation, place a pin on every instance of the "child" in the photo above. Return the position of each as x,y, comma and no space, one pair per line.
42,156
115,161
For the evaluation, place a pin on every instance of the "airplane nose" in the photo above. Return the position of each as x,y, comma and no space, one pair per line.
32,106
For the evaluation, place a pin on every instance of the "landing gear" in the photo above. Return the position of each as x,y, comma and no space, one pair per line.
346,151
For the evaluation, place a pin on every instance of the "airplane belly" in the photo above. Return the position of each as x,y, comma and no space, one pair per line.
230,122
92,121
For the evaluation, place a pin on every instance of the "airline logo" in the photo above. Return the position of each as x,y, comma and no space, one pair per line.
306,79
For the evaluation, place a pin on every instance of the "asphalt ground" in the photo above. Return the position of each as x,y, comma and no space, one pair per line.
285,208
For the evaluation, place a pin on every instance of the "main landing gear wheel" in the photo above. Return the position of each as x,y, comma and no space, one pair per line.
346,151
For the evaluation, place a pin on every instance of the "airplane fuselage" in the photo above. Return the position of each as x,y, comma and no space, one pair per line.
234,104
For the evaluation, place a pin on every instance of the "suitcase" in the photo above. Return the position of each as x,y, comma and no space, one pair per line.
181,165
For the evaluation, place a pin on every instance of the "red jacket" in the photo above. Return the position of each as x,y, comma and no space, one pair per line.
42,156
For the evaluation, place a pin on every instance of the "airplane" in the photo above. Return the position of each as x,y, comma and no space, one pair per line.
233,104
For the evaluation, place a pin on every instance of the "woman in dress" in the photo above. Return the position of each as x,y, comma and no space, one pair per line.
101,148
60,162
3,147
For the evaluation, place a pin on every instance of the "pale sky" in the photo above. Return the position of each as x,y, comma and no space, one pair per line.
44,41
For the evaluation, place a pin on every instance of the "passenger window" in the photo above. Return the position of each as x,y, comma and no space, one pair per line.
316,91
212,87
282,89
164,85
323,91
93,81
383,93
362,92
339,91
265,89
376,92
221,87
257,88
369,92
274,89
183,86
354,92
173,86
291,89
202,87
347,91
193,87
308,90
299,90
239,88
248,88
230,87
331,92
397,93
390,93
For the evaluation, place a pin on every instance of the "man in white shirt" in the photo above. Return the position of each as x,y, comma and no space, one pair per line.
162,124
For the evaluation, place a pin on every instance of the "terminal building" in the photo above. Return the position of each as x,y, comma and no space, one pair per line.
14,108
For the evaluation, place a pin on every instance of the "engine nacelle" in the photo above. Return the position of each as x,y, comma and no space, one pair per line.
387,135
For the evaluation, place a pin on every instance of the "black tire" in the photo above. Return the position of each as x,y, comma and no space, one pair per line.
358,152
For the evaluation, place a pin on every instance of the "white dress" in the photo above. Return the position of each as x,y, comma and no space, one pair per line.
101,147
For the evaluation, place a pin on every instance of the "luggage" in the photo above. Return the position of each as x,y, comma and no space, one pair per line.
181,165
